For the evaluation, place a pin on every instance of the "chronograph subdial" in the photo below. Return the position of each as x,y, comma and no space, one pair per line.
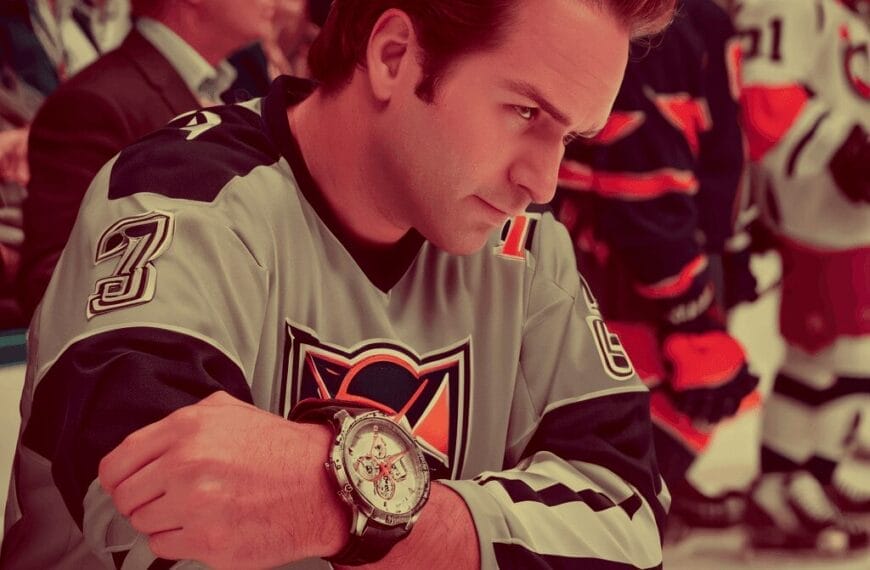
367,467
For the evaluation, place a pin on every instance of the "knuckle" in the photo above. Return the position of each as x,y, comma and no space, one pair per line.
159,546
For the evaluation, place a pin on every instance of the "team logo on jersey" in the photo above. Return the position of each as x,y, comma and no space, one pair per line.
856,58
612,354
516,237
431,391
197,122
136,242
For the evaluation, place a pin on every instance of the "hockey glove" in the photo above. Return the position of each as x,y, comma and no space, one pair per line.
850,166
708,373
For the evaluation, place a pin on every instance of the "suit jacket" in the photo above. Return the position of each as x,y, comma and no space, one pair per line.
118,99
21,50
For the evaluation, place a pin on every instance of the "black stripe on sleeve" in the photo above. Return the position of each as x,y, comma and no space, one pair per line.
517,557
612,431
107,386
559,494
793,389
162,564
799,147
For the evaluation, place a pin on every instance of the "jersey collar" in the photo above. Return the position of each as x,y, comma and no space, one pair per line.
384,266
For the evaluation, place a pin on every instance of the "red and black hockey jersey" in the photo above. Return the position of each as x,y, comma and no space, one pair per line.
655,190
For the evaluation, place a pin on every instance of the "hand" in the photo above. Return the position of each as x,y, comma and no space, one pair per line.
708,374
229,485
13,156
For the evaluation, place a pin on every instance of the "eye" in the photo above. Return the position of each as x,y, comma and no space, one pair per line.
526,113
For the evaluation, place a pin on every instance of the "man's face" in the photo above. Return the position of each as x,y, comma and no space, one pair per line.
492,140
239,22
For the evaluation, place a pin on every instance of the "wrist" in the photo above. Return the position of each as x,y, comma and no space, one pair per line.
328,516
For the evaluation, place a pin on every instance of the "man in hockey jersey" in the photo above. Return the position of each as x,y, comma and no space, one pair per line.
649,203
325,251
806,99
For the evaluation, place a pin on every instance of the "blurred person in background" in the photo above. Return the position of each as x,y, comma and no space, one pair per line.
806,106
287,47
18,103
174,60
651,204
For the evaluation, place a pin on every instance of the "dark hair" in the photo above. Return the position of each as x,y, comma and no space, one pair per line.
445,30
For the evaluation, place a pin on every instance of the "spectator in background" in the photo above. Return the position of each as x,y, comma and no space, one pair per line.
650,205
18,103
173,61
806,104
287,47
74,33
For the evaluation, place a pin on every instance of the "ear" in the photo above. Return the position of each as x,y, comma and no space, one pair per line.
391,53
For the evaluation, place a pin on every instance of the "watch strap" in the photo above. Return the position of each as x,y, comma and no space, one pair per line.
373,544
316,410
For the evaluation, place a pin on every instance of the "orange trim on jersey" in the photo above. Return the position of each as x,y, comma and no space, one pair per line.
642,346
620,124
624,185
575,175
675,285
687,114
734,66
515,242
679,425
768,114
706,360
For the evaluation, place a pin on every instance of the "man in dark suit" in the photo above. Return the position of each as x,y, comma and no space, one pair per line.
173,61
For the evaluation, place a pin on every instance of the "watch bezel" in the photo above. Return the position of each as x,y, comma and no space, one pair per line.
349,492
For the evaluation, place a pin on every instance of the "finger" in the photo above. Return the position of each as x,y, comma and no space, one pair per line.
136,451
140,488
158,516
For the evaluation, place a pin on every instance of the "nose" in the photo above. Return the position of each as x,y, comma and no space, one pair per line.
536,170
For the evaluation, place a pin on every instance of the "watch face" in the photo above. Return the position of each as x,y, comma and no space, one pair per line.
384,466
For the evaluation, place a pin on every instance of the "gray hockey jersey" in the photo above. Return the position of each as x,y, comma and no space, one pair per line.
204,258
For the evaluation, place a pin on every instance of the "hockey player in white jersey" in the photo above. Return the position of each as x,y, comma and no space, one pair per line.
352,256
806,98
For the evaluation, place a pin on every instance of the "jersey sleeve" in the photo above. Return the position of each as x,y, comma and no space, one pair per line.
156,303
581,487
631,197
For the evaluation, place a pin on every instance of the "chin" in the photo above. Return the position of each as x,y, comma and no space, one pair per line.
470,245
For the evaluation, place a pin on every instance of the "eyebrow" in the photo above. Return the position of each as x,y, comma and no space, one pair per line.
528,90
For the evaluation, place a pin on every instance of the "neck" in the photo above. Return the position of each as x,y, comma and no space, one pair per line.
334,137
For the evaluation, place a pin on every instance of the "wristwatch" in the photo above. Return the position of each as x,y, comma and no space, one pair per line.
381,473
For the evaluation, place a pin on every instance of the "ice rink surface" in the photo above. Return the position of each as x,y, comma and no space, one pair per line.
731,462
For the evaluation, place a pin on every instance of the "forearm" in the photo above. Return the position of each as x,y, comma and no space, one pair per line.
444,536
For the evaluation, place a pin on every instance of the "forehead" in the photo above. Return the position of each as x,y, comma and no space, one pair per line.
569,50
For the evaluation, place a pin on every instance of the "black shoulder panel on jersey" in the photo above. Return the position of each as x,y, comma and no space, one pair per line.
107,386
620,440
194,156
518,557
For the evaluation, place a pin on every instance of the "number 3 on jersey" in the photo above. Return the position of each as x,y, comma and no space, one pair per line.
136,242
